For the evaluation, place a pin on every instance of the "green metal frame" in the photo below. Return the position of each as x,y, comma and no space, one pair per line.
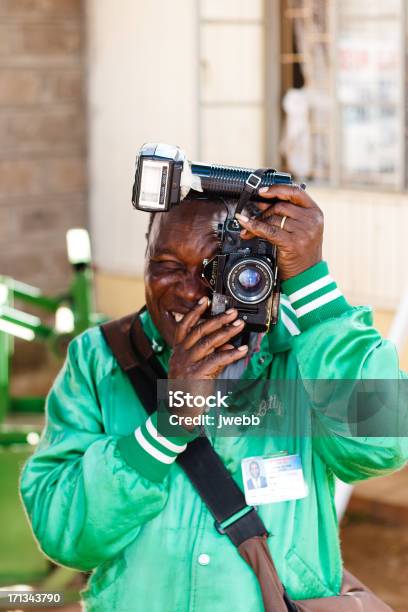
13,321
21,560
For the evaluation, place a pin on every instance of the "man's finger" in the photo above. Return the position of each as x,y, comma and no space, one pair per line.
208,344
291,193
219,360
208,327
191,319
289,225
246,235
226,347
284,209
262,229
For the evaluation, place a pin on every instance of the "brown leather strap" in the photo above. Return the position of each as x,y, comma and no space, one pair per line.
256,553
117,334
135,356
354,597
355,602
361,601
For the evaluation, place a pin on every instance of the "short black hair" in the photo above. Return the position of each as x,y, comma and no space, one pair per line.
149,227
229,203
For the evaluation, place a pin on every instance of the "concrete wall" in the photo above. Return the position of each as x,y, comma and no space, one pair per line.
43,181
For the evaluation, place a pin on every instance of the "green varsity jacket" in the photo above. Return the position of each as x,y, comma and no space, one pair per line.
103,492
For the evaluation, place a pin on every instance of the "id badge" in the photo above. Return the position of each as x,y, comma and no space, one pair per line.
268,480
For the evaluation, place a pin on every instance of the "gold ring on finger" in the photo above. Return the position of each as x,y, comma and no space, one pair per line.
283,222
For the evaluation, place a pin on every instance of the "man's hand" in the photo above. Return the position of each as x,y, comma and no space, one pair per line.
300,240
201,349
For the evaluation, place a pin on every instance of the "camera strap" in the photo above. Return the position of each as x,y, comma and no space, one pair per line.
251,185
221,494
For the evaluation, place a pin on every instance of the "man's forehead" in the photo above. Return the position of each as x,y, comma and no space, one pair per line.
186,222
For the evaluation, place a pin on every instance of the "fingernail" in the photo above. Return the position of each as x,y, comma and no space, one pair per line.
229,311
243,348
263,190
203,300
242,218
237,322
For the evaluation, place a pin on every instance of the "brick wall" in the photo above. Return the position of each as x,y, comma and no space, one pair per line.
43,184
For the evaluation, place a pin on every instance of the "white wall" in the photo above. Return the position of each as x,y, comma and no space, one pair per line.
188,72
232,61
142,75
365,243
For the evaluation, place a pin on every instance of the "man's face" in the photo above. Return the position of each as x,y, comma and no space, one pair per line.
254,470
179,241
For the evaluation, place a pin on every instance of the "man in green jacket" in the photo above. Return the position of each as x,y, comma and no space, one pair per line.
103,491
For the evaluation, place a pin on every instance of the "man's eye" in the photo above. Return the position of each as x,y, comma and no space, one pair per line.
167,266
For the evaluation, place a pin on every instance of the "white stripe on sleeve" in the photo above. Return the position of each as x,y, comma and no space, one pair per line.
149,448
176,448
320,301
311,288
289,324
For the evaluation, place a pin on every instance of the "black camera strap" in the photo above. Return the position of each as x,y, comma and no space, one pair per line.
250,186
220,492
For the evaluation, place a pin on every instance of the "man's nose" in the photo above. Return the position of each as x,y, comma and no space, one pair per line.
192,288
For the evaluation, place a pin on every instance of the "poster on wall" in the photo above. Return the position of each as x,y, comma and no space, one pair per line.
368,88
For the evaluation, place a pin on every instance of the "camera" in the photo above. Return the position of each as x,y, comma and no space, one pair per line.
244,275
164,176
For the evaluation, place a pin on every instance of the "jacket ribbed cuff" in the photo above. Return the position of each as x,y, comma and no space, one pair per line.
150,452
314,296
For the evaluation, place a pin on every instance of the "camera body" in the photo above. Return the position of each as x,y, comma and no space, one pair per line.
244,275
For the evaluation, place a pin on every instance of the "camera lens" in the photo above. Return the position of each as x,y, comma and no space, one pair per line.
250,280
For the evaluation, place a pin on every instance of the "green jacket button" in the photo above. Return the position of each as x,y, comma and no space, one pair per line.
204,559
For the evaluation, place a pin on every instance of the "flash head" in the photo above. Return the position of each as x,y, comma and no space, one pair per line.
158,177
164,177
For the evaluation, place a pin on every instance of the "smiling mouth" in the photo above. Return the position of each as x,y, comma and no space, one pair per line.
179,316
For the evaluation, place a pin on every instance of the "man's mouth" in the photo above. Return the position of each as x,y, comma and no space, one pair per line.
178,316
